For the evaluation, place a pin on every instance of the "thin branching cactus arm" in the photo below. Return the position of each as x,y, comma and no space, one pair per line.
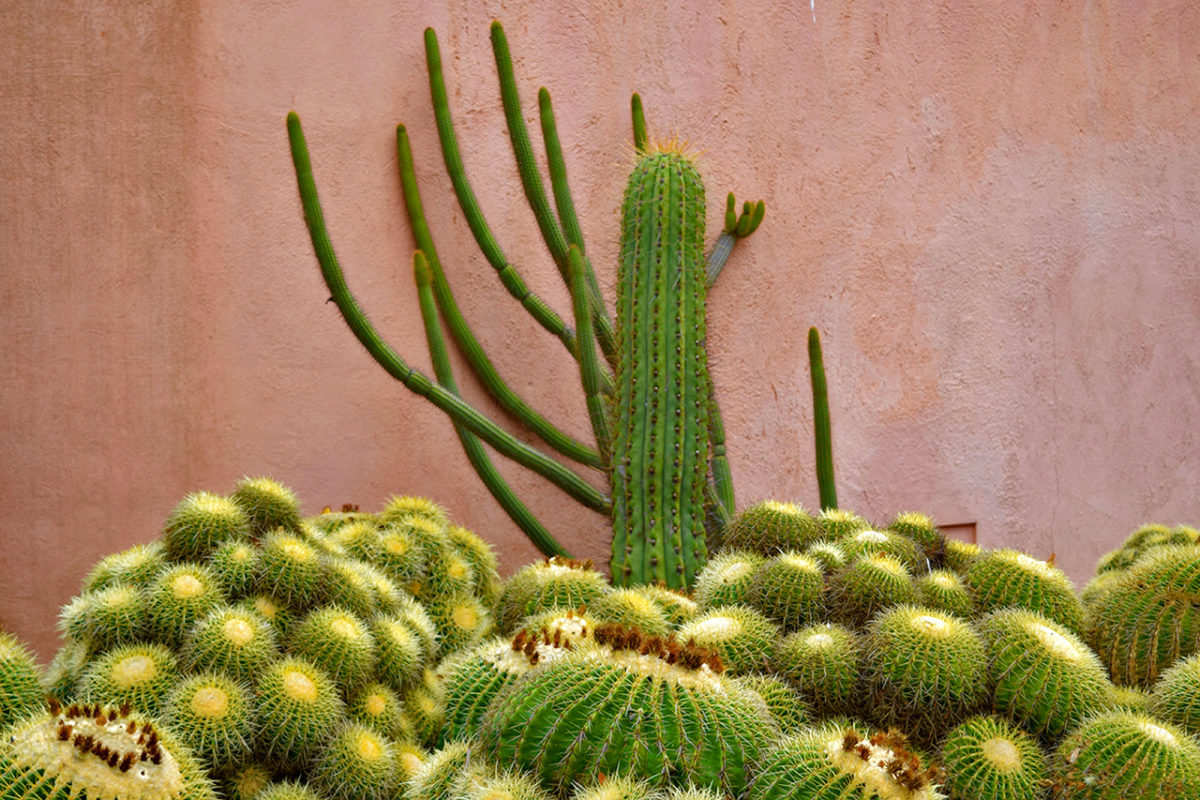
467,201
394,365
590,366
457,324
602,320
737,226
476,454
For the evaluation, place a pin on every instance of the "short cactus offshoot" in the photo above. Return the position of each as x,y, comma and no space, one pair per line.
658,434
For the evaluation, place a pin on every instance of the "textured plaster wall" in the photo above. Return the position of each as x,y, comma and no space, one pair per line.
988,209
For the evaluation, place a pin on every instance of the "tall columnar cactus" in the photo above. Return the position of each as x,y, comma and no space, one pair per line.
660,452
659,438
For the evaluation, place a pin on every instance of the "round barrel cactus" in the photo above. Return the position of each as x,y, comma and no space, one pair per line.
1126,756
1149,619
924,670
836,762
1008,578
646,707
97,752
1044,677
771,527
987,757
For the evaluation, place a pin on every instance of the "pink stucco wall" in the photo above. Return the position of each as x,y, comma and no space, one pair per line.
989,209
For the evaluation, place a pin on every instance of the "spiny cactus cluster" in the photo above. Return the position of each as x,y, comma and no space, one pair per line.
273,645
1143,605
291,658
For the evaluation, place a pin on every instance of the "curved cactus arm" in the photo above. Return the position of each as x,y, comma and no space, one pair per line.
736,227
640,140
589,364
531,179
468,344
504,442
467,201
563,201
722,476
603,323
822,434
495,483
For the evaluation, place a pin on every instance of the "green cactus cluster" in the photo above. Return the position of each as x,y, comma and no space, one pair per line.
643,367
273,645
783,674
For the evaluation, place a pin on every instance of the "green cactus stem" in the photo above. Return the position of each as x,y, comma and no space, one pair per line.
737,226
601,323
476,454
589,363
823,436
470,206
461,332
395,366
665,458
639,123
660,449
